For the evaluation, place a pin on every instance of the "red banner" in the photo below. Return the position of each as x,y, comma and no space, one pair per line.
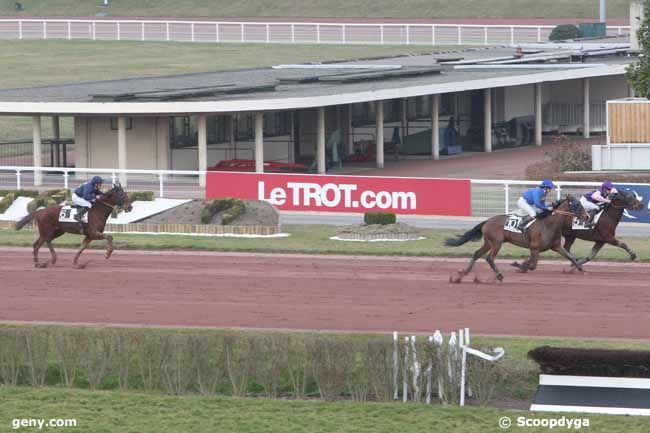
302,192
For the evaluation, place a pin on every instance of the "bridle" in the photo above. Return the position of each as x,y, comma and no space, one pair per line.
571,212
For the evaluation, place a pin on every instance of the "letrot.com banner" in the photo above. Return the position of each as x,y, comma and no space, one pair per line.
642,192
302,192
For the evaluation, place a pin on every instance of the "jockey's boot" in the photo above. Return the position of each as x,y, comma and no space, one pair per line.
79,217
523,224
592,214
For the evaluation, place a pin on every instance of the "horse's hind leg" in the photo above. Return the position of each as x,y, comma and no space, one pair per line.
109,246
37,246
52,252
84,245
477,255
494,251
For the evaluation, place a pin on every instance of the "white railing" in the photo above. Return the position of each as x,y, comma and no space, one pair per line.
623,156
167,183
492,197
279,32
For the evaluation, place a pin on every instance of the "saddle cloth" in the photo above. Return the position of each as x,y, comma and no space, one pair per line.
577,225
513,223
67,214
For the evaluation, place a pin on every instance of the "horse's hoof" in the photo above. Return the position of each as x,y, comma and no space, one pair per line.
455,278
81,266
41,265
516,265
500,277
108,254
633,257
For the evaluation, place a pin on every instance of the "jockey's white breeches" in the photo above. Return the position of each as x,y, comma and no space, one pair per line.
524,206
587,204
80,201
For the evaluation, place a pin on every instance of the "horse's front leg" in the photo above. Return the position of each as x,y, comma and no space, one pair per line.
558,248
594,251
109,246
615,242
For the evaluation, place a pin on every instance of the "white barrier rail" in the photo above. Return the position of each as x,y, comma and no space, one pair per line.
279,32
489,197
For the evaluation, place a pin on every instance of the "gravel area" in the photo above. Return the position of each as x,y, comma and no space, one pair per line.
256,213
399,231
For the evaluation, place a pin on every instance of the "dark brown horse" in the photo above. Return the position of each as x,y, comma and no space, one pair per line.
544,234
49,227
604,232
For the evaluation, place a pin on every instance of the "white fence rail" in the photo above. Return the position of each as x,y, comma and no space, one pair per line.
279,32
489,197
626,156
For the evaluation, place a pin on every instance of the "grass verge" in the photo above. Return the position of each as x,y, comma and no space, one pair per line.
314,239
103,411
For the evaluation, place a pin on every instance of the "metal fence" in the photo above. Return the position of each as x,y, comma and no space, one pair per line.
279,32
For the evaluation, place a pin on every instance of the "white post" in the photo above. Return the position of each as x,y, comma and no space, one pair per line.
538,114
460,39
118,31
539,35
161,185
405,383
167,31
603,11
435,129
438,340
585,105
433,35
512,35
202,146
20,29
487,120
293,33
320,141
192,31
379,123
216,32
506,192
241,30
416,371
408,35
318,33
381,34
44,29
430,371
121,147
36,142
268,34
463,369
395,366
467,343
142,31
485,35
344,33
259,142
69,30
94,27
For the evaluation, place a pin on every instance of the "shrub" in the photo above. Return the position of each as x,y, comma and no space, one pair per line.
231,208
565,155
19,192
141,196
6,201
49,198
381,218
564,32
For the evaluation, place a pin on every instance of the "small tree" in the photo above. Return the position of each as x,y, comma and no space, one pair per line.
638,74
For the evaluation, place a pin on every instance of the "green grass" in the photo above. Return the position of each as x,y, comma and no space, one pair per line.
315,8
314,239
104,411
31,63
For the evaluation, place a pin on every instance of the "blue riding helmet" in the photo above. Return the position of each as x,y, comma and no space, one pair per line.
96,180
607,185
546,183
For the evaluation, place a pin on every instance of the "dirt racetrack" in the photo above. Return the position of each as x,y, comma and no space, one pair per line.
324,293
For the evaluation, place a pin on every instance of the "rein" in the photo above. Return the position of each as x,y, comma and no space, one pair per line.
107,204
563,212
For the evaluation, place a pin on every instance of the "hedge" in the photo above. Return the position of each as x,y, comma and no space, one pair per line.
231,208
564,32
381,218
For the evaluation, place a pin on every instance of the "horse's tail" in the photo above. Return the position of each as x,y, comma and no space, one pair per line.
26,220
471,235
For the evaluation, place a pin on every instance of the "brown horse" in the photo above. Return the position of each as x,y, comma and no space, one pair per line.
604,232
544,234
49,227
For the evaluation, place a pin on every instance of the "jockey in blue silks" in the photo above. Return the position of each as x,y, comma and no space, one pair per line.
85,195
533,201
594,200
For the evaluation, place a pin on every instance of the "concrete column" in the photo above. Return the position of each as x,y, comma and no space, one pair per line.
56,136
538,114
435,134
320,141
487,120
259,142
36,141
379,121
585,105
291,156
121,148
350,132
202,146
233,135
405,126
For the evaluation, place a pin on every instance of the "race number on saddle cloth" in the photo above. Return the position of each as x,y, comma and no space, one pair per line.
531,204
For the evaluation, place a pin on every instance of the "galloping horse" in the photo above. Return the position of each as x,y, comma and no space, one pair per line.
49,227
604,231
544,234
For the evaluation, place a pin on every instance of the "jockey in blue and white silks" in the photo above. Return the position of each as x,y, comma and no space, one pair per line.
594,200
85,195
533,201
